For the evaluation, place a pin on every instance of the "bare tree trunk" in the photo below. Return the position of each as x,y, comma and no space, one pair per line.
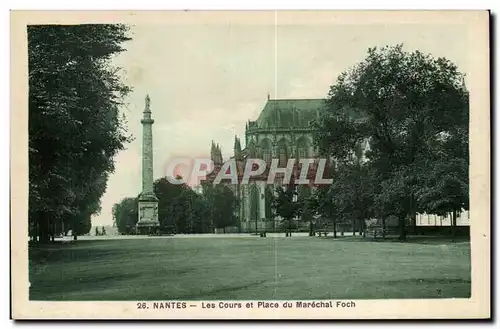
413,222
37,230
413,218
32,230
44,227
353,227
334,228
52,230
402,228
383,227
453,225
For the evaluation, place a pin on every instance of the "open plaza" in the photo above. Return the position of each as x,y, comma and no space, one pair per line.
246,267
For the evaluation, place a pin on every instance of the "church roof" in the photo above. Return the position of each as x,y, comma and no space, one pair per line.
295,113
286,113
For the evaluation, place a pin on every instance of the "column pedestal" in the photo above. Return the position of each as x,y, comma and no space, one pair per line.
148,223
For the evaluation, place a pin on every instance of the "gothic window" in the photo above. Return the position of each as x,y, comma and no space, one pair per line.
282,157
282,152
268,202
302,148
266,155
265,146
251,149
302,152
254,203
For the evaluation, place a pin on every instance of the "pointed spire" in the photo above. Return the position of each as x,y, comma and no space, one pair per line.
237,148
464,87
212,151
148,103
217,155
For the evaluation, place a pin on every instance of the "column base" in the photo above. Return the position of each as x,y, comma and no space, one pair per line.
148,223
147,227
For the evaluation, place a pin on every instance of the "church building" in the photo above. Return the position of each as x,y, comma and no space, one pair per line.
282,131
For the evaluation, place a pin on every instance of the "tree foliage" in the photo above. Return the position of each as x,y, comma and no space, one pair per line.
74,125
351,194
167,193
287,204
180,210
126,215
412,109
306,205
190,213
222,204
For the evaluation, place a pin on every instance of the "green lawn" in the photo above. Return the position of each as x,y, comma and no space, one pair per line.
248,268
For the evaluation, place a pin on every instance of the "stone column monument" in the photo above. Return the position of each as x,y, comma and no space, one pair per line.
148,202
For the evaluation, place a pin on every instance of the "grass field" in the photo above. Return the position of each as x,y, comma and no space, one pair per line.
248,268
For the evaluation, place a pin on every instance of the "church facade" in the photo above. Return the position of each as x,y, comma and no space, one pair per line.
282,131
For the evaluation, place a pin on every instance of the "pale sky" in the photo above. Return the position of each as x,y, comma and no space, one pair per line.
206,81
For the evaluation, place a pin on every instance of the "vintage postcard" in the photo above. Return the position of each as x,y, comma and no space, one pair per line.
250,165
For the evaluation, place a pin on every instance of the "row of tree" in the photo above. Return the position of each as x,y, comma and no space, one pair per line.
182,210
411,108
75,129
413,111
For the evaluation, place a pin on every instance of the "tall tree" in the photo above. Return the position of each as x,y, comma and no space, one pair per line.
446,190
201,214
306,206
126,215
446,184
168,210
399,102
74,125
352,192
325,207
269,199
286,204
191,213
222,205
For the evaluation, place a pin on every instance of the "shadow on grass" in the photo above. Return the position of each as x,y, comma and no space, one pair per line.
235,288
98,280
409,239
427,281
68,251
